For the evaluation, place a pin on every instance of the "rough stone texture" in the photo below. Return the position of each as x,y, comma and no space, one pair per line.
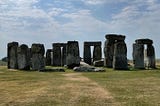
97,53
48,57
151,56
56,55
144,41
115,37
64,49
88,69
12,55
120,56
138,56
37,58
98,63
87,54
23,57
73,57
108,53
53,70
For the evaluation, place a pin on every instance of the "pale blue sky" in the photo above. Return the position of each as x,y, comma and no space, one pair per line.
49,21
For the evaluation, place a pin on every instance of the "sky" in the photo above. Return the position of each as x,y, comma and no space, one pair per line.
53,21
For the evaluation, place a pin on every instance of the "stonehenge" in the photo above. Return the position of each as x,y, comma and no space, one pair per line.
97,52
59,54
115,52
37,57
138,54
23,58
68,54
72,54
12,55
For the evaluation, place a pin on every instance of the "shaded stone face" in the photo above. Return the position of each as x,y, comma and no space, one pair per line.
64,55
97,53
120,56
73,57
12,55
23,57
138,56
144,41
87,54
56,56
38,62
151,56
48,57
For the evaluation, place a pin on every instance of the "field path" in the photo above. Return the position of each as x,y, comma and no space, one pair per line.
83,87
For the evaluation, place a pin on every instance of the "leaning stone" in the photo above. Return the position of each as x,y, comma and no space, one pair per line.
99,63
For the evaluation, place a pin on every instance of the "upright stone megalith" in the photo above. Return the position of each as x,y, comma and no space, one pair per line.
120,56
23,57
48,57
115,51
87,54
73,56
97,53
138,54
12,55
37,58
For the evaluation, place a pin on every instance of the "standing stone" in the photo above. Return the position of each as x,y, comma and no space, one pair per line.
87,54
97,53
56,55
64,54
73,57
120,56
48,57
151,56
38,62
108,53
23,57
12,55
138,56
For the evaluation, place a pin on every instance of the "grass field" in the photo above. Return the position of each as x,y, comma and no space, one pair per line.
110,88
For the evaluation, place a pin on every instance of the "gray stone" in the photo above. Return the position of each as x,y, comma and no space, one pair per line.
144,41
12,55
138,56
37,58
73,57
56,55
99,63
151,56
53,70
23,57
88,69
64,54
48,57
120,56
87,54
97,53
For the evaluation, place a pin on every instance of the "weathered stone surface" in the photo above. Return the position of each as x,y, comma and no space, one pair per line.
23,57
56,55
87,54
144,41
97,53
12,55
151,56
115,37
48,57
37,58
73,57
138,56
108,53
120,56
99,63
88,69
64,54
